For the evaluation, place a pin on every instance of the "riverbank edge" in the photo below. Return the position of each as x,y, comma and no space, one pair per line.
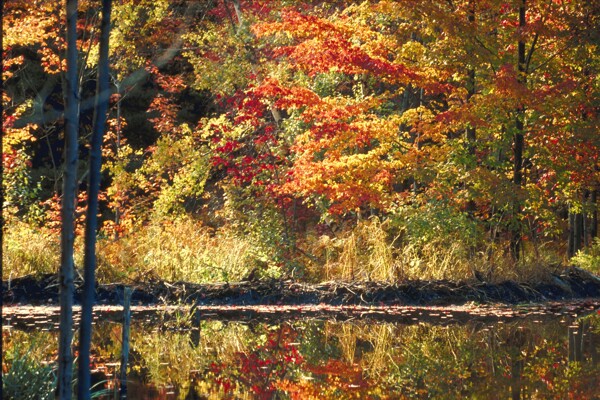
572,283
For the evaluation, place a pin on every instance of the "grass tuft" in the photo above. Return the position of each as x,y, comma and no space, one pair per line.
29,250
182,250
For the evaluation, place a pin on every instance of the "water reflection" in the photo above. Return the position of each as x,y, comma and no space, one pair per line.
177,355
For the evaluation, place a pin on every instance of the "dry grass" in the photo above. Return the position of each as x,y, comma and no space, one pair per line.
186,250
179,250
29,250
367,252
363,253
371,346
183,250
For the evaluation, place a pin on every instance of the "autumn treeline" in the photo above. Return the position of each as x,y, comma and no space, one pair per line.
313,139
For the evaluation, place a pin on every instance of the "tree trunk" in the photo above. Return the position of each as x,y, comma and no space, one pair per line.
519,141
594,218
99,127
576,232
571,238
470,132
117,149
586,218
125,342
65,354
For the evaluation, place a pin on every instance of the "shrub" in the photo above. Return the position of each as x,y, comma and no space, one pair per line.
437,241
26,378
589,258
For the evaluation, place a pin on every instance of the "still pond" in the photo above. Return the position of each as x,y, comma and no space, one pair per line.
547,351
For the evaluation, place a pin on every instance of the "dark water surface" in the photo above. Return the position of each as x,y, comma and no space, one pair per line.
549,351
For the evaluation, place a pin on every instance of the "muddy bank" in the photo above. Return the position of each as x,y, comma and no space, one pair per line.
573,283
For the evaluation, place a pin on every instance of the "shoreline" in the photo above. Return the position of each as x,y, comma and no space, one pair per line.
573,283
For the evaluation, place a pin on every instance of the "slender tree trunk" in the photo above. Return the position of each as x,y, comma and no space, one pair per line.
586,218
594,218
117,150
65,354
238,12
519,141
417,139
590,217
99,127
470,132
571,238
576,232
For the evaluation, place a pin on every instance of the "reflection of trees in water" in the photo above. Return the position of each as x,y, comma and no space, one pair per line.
522,359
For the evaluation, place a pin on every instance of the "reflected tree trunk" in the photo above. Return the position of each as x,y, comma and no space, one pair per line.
515,384
576,342
196,328
516,341
593,340
89,283
492,343
125,342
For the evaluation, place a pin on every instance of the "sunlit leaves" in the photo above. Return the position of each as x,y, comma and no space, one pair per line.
324,46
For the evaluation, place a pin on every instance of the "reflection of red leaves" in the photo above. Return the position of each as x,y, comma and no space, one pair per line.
338,368
261,368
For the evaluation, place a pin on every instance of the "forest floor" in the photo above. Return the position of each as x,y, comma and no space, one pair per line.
573,283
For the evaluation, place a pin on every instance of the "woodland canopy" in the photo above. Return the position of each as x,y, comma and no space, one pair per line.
317,140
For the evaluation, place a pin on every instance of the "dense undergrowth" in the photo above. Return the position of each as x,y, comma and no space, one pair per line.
188,250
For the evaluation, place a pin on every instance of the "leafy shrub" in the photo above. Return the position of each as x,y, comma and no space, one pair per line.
437,241
589,258
26,378
264,227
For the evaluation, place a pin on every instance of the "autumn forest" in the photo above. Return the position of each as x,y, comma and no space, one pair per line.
314,140
227,158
